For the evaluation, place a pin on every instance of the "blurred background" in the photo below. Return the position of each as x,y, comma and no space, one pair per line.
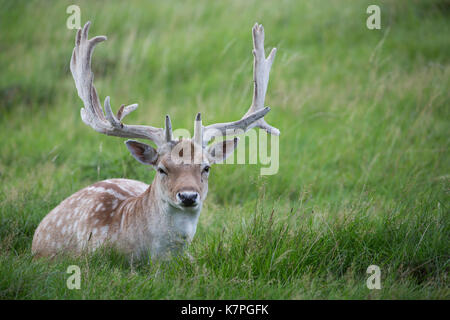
363,115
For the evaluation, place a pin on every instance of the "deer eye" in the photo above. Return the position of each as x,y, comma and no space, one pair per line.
161,171
206,169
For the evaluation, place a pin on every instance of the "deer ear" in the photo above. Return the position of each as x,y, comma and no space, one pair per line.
219,151
142,152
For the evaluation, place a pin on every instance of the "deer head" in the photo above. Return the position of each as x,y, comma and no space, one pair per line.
182,165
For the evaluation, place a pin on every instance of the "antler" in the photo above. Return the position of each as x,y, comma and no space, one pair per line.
92,114
255,114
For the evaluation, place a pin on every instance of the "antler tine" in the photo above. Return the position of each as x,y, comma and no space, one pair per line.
261,71
168,129
235,127
255,114
198,128
92,114
124,111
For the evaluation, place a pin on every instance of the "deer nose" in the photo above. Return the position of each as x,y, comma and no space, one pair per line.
188,198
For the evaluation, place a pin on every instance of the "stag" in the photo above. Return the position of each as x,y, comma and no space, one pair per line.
141,220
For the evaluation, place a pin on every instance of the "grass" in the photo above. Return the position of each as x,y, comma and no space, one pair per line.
364,163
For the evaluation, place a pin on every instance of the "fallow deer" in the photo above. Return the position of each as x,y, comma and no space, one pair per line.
142,220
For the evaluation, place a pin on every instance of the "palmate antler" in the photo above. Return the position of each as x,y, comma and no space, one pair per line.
92,114
107,123
255,114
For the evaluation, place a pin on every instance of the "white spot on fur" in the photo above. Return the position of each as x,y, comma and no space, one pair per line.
121,187
109,191
104,230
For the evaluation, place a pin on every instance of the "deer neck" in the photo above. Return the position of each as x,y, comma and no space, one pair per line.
165,226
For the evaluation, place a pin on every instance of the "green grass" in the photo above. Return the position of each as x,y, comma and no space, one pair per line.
364,162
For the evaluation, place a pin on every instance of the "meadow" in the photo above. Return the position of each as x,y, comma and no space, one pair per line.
364,147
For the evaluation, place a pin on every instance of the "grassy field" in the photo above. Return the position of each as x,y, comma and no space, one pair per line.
364,162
